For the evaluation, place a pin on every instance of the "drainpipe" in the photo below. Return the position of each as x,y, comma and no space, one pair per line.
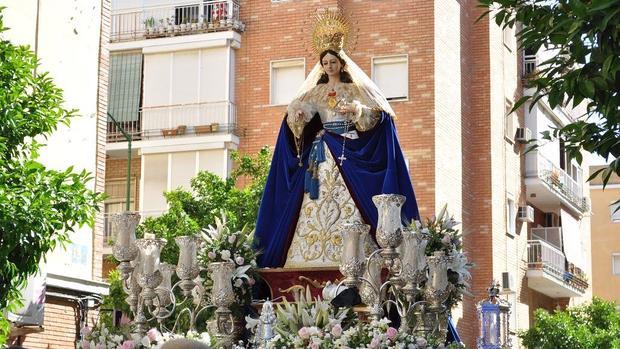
128,138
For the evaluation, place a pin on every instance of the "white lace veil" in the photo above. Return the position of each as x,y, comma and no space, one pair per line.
360,79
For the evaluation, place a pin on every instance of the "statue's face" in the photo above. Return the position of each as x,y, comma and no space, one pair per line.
331,64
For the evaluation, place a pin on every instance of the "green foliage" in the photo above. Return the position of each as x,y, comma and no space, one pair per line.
586,36
210,197
115,300
38,206
592,326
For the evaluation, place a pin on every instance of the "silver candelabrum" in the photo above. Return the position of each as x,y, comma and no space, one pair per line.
148,282
402,254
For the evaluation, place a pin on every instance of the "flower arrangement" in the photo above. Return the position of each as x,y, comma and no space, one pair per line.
442,236
103,338
375,335
221,244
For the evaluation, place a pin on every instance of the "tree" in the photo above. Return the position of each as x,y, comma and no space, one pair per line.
591,326
585,34
38,206
209,197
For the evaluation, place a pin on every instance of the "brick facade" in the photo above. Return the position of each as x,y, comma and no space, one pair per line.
61,326
451,128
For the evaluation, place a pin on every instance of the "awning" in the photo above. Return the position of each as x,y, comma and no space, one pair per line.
572,240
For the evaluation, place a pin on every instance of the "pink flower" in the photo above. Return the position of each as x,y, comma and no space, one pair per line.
239,260
251,281
446,239
128,345
211,255
391,333
85,344
152,334
124,320
86,331
420,342
337,330
314,346
304,333
100,346
374,343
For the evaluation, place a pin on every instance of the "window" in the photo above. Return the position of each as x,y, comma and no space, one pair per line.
511,216
116,190
613,214
391,74
286,78
510,127
615,263
125,86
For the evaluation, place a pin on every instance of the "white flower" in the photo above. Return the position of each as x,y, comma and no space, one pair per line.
238,282
231,239
145,341
225,255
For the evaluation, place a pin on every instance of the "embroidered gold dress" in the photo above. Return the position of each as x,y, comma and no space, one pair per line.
317,242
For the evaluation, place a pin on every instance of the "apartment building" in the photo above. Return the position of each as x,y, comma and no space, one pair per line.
192,80
605,237
58,299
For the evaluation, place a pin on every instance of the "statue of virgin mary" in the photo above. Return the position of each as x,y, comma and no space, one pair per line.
337,148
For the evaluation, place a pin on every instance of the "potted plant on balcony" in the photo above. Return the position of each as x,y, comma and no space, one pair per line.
170,25
215,127
183,25
161,29
149,26
195,25
201,129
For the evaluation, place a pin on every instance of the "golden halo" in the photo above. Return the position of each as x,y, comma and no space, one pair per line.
331,31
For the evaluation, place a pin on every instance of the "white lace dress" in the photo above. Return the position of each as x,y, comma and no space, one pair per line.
317,242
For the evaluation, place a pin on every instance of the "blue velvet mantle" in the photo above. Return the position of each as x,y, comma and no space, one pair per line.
374,165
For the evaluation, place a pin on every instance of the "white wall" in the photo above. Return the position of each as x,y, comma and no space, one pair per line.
191,76
68,48
170,170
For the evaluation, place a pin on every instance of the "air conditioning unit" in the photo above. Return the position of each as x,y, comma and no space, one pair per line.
508,283
552,219
526,214
523,135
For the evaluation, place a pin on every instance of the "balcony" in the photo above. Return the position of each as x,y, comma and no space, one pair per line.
547,272
548,185
174,20
178,121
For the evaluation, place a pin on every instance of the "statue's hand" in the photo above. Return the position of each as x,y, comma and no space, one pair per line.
299,115
351,111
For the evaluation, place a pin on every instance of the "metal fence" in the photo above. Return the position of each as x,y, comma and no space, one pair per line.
178,19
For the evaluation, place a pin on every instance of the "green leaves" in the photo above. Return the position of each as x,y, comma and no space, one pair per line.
583,39
595,325
38,206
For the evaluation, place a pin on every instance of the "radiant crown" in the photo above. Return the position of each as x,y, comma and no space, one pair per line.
331,31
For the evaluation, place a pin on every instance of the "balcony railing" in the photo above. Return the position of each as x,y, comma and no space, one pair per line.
541,255
529,66
544,256
178,19
551,235
555,177
179,120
